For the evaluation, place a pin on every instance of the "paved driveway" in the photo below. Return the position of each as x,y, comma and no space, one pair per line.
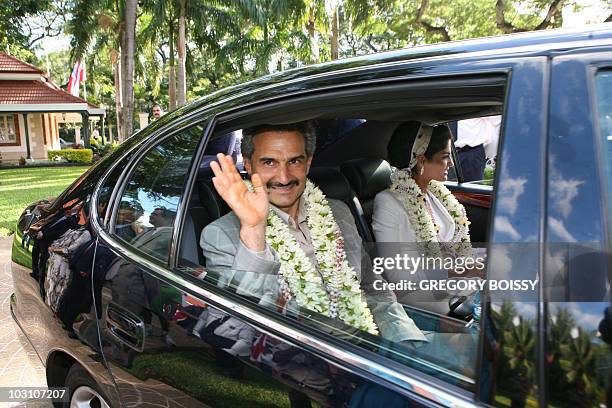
19,363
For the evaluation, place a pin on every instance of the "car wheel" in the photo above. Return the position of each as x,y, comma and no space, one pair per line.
84,391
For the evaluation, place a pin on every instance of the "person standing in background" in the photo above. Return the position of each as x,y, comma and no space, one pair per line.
476,141
157,111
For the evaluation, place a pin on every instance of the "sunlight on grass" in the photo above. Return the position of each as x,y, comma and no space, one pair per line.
62,183
13,179
20,187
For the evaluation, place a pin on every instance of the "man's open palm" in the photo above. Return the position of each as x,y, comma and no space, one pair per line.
251,207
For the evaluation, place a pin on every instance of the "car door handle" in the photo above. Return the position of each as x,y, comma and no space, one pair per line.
125,326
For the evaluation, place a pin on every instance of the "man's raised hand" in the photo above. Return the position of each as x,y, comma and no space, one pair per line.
251,207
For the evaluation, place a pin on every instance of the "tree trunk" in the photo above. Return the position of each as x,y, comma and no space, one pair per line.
171,69
335,30
182,85
312,34
118,97
131,7
122,76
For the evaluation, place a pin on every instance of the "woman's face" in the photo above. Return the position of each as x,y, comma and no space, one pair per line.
437,167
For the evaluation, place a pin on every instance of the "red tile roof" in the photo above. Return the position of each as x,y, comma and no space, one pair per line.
13,65
16,92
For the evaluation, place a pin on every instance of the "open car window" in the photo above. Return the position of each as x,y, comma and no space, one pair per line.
476,142
432,329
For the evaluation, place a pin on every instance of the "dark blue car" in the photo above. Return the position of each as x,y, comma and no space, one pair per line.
113,291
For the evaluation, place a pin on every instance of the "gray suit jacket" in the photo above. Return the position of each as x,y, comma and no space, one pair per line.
255,275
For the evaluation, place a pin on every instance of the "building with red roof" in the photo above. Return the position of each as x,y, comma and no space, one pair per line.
31,108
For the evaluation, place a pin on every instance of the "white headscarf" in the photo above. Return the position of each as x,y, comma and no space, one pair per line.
421,142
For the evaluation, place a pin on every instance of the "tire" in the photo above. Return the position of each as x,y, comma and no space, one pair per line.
84,391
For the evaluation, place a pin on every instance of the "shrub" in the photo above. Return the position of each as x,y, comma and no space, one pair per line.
22,161
72,155
102,149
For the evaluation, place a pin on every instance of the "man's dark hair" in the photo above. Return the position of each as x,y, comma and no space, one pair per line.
305,128
165,212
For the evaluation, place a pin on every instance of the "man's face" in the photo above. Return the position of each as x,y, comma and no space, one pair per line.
157,112
156,218
125,216
281,162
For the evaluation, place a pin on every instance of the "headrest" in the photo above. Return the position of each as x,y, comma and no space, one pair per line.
367,176
331,182
222,144
211,200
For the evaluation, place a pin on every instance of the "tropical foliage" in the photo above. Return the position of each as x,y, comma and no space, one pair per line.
139,53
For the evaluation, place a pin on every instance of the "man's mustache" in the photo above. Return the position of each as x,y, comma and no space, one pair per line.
276,184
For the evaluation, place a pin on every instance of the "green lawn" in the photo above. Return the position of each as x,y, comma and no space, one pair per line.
20,187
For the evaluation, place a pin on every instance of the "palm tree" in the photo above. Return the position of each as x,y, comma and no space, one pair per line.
159,32
129,45
269,29
519,346
333,9
559,334
182,86
172,22
113,23
578,361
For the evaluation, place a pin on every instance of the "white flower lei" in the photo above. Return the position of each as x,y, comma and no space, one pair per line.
300,280
426,230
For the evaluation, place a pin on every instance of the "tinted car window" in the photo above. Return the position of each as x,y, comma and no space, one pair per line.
147,209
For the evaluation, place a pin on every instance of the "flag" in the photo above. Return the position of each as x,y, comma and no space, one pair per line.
77,76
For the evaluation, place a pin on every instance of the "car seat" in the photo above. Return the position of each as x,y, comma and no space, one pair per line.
335,186
367,177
